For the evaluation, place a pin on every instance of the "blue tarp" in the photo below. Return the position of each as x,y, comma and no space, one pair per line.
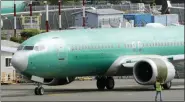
139,19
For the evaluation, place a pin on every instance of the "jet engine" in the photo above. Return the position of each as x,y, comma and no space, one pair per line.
58,81
145,71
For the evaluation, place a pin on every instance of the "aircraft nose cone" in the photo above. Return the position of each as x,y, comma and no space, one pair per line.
20,61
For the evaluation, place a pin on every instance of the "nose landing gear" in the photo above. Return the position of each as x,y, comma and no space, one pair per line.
39,90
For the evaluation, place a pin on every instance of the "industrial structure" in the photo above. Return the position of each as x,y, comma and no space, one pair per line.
99,17
8,72
66,20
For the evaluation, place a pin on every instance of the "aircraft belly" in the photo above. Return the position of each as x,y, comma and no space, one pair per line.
83,64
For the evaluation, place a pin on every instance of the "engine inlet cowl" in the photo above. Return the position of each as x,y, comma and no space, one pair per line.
145,71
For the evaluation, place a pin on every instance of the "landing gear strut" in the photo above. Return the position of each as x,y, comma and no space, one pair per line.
103,82
39,90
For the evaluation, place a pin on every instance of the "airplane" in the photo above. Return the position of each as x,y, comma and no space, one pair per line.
7,9
57,57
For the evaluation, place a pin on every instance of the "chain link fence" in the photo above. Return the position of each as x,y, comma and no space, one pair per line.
68,19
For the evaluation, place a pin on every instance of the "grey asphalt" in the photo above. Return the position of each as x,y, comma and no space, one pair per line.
125,90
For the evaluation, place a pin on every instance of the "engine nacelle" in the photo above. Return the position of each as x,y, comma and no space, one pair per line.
145,71
58,81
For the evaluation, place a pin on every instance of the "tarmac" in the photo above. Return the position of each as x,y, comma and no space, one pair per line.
125,90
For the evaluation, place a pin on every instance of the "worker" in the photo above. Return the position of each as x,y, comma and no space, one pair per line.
158,85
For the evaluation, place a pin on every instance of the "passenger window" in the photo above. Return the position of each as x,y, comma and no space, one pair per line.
153,44
118,45
72,48
174,43
149,45
89,47
130,45
146,45
99,46
75,48
96,46
182,43
161,44
125,45
166,43
156,44
179,43
109,46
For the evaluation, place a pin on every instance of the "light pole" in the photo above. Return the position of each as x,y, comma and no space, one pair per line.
31,13
83,7
59,12
14,19
47,17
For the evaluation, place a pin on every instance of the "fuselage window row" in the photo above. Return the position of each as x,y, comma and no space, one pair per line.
130,45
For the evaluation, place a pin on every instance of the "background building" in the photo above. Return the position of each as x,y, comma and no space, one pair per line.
99,17
8,72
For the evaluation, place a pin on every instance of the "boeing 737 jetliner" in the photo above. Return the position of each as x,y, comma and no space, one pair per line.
56,58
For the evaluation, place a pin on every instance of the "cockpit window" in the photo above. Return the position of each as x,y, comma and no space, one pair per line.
39,48
20,48
28,48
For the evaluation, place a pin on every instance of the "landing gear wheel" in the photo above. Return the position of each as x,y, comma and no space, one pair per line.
167,85
110,83
36,91
41,91
101,83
